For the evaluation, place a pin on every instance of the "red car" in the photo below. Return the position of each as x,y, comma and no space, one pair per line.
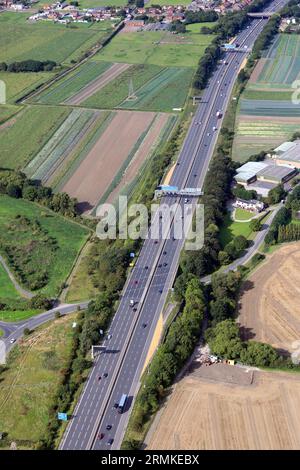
100,436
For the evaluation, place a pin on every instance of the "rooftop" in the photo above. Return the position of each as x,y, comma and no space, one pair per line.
284,147
275,172
292,152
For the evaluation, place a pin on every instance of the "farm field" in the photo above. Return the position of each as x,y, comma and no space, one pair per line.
30,381
40,246
105,162
269,307
157,48
265,109
19,84
23,40
213,409
24,134
255,133
155,88
62,142
72,83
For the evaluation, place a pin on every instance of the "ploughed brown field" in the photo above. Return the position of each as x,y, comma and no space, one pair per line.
269,305
97,171
229,413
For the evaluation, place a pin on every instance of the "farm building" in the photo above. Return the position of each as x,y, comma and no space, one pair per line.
288,154
263,176
247,173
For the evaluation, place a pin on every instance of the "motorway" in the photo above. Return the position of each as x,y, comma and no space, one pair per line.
131,331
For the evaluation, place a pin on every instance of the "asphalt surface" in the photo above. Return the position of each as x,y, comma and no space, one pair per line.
131,331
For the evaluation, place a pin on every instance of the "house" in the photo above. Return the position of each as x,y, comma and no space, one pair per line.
252,205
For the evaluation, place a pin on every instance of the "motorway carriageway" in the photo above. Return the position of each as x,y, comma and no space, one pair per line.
151,278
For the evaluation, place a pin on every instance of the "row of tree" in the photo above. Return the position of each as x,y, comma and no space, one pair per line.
281,222
16,184
28,66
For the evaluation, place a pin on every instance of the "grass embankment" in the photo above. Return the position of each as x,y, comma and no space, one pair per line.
40,246
30,381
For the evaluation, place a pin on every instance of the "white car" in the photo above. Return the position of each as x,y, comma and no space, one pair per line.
12,340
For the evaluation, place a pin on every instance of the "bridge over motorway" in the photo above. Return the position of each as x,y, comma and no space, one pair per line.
261,14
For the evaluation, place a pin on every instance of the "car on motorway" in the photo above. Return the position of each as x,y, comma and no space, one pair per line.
144,325
108,427
12,340
110,441
109,336
100,436
214,128
105,375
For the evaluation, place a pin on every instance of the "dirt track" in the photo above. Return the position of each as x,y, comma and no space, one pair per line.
203,415
114,71
97,171
269,305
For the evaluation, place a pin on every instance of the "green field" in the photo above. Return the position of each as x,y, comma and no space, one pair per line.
40,246
74,82
19,84
231,229
42,40
242,214
7,111
30,381
282,60
156,89
157,48
7,289
31,130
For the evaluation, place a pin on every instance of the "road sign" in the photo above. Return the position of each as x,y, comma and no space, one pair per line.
62,416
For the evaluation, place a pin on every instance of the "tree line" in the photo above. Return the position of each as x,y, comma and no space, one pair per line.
15,184
282,229
28,66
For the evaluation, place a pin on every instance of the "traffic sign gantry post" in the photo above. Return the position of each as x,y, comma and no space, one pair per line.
62,416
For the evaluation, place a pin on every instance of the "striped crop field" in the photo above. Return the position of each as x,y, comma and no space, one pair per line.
73,83
253,135
282,61
269,108
59,146
155,88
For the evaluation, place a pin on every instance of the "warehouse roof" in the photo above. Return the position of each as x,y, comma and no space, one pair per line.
292,154
284,147
275,172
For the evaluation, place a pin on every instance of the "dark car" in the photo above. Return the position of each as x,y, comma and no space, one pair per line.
108,427
100,436
105,375
144,325
110,441
165,264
